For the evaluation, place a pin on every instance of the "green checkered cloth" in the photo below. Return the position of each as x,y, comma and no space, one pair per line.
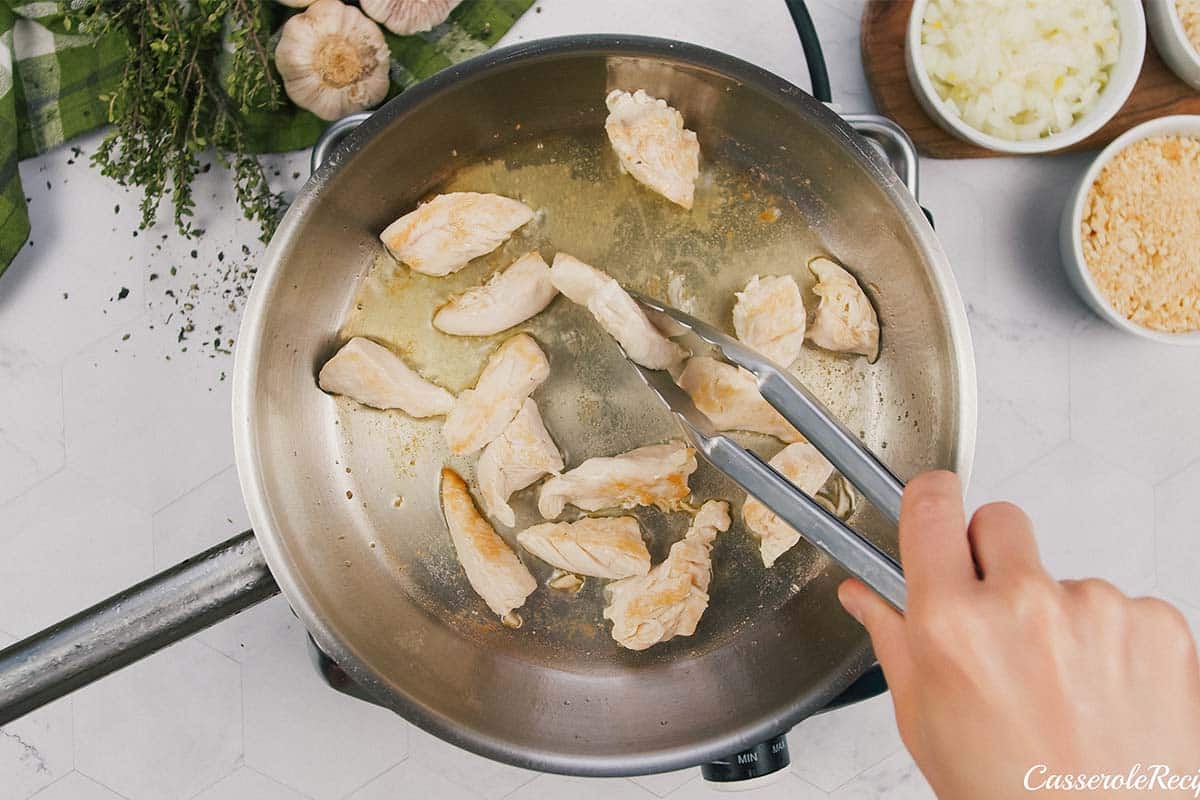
52,80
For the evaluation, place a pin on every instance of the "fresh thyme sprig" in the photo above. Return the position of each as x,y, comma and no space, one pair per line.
192,69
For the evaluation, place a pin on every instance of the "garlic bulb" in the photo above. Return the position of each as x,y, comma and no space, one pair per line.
295,3
408,16
333,60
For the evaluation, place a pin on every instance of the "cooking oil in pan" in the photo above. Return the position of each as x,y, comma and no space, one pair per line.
593,403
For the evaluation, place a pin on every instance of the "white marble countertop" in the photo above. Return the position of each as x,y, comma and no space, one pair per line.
116,460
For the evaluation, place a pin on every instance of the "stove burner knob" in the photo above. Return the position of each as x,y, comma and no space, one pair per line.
762,763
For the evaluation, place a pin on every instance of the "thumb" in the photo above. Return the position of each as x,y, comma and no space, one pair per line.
888,637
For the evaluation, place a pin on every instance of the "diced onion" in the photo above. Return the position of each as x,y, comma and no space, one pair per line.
1019,70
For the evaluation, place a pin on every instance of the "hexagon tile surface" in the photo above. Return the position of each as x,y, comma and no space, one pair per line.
411,779
246,784
485,778
208,514
73,273
31,433
548,786
141,445
179,710
896,778
67,544
663,783
77,786
304,734
1021,310
783,787
829,749
1134,402
1091,519
1177,530
1028,416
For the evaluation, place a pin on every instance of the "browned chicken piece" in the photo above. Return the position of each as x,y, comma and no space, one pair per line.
616,311
493,569
371,374
656,475
729,397
803,465
510,375
653,146
441,236
603,547
514,460
508,298
769,317
845,320
669,600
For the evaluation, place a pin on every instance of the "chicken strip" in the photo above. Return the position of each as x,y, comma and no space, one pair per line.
669,600
493,569
656,475
508,298
652,144
521,454
616,311
510,375
603,547
729,397
441,236
845,320
803,465
371,374
769,317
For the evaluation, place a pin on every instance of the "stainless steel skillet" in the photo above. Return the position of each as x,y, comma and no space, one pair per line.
374,584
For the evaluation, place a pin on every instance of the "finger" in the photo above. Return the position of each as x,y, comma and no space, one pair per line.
1002,542
933,535
886,627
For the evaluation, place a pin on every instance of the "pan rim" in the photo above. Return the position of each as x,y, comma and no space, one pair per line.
252,347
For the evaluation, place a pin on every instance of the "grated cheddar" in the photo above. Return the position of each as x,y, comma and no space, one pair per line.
1141,233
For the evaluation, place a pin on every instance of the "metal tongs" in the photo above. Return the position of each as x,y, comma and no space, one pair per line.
807,414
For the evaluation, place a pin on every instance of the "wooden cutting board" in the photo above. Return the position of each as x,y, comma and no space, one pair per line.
1158,92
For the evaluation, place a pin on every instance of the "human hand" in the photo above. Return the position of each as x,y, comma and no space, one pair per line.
996,669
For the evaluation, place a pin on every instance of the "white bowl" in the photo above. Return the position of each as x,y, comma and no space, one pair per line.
1132,24
1078,273
1166,29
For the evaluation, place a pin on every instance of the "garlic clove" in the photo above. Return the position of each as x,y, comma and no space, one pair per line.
333,60
405,17
295,3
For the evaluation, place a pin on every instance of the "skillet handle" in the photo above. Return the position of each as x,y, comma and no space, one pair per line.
895,144
128,626
332,137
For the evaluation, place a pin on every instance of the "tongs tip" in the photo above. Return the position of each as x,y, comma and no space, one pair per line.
731,349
